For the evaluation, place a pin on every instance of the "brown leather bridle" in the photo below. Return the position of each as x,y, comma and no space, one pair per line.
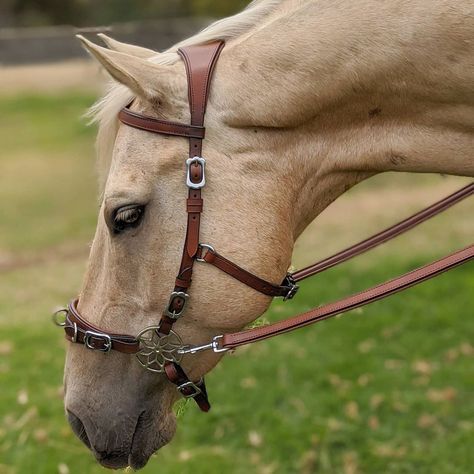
160,349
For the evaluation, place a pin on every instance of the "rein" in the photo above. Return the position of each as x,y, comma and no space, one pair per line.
159,348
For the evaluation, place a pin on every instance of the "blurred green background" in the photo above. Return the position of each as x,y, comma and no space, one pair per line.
386,389
88,12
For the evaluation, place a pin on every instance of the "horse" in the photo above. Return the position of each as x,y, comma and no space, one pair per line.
308,99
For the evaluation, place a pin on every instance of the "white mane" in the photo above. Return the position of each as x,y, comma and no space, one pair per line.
104,111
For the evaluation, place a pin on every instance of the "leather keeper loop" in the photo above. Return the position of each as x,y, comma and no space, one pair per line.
165,325
209,256
194,205
182,283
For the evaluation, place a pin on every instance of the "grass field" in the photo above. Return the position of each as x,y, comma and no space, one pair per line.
388,389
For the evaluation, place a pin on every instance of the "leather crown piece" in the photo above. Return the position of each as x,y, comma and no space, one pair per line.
159,348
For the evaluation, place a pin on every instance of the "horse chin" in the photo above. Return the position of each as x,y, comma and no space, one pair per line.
149,438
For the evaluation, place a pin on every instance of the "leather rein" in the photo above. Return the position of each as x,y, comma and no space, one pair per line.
159,348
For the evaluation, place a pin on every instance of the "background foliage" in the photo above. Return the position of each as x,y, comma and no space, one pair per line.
91,12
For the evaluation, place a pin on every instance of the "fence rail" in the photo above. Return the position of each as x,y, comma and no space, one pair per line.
39,45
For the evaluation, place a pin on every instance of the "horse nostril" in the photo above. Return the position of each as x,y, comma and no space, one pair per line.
78,428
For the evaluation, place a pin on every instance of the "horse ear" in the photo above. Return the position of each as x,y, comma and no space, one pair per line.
131,49
146,79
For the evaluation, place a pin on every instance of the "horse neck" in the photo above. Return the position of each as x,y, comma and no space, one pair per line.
344,90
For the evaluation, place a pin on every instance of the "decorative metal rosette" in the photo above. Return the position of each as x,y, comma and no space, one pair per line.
156,349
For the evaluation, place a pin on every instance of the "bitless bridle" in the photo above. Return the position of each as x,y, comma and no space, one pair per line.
159,348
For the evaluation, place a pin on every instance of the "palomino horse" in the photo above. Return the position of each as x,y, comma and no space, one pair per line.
308,98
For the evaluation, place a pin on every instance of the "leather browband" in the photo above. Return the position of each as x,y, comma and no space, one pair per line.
150,124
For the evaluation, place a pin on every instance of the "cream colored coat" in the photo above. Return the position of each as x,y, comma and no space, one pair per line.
309,98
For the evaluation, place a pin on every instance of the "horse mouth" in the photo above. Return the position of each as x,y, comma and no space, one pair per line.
145,441
78,428
145,445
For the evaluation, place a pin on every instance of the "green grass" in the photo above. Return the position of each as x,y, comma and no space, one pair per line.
48,185
364,387
386,389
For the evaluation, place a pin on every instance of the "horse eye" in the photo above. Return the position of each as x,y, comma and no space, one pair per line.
127,216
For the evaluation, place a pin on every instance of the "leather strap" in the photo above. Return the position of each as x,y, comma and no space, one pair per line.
287,289
188,389
200,62
80,331
385,235
164,127
357,300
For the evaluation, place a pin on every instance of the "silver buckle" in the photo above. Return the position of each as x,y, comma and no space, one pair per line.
192,385
189,182
105,337
174,314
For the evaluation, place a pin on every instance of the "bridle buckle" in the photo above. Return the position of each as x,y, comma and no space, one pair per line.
172,313
189,385
106,339
189,182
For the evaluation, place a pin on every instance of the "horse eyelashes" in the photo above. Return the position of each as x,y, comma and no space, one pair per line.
127,217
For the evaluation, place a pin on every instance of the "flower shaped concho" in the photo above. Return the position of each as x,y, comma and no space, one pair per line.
157,349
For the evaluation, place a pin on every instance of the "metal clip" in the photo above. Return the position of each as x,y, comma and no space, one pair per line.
189,182
213,345
293,288
172,313
98,335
